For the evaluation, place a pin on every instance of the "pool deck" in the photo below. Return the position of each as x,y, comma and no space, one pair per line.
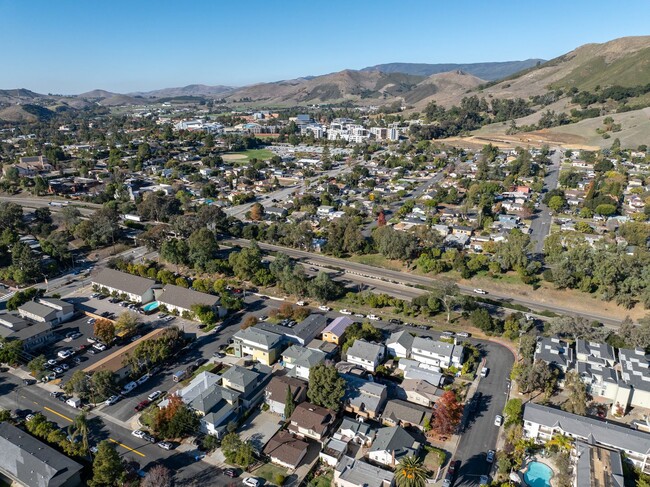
538,459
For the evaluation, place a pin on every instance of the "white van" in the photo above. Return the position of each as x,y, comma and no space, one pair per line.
74,402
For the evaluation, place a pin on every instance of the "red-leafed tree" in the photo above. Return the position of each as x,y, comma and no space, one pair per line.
381,219
447,414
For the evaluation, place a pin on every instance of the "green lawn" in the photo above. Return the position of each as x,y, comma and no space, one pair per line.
269,471
261,154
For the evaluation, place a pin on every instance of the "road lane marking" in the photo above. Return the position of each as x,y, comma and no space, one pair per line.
128,448
58,414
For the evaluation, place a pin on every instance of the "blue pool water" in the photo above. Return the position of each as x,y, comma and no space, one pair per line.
538,475
150,306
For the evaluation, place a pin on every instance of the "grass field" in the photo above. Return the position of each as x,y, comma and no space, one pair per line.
378,260
269,472
245,156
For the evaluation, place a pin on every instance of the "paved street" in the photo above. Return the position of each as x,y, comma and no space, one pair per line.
540,225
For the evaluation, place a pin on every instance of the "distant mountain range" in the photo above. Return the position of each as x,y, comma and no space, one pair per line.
624,61
486,71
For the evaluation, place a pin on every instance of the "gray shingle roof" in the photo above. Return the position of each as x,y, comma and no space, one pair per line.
258,335
397,410
363,474
403,338
635,368
395,439
37,309
32,462
365,350
185,298
554,351
123,281
602,432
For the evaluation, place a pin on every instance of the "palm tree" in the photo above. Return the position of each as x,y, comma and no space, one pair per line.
410,472
561,442
80,426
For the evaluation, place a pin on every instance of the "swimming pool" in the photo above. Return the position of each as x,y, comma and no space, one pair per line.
538,475
150,306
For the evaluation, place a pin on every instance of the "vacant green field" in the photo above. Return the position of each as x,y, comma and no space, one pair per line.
261,154
378,260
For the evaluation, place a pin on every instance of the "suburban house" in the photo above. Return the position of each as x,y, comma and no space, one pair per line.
263,346
364,398
333,451
300,334
391,445
250,383
596,353
542,422
47,310
356,473
335,330
400,344
356,432
115,363
29,462
217,407
275,394
405,414
286,450
554,352
300,360
366,355
311,421
436,353
135,288
181,300
30,166
420,391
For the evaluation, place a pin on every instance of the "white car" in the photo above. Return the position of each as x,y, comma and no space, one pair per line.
112,400
139,434
154,395
52,362
64,353
99,346
91,321
129,387
322,308
301,303
463,334
480,291
498,420
251,482
374,318
345,312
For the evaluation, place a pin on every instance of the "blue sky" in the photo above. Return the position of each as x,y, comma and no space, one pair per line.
66,46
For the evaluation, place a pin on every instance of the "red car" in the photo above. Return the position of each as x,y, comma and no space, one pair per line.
142,405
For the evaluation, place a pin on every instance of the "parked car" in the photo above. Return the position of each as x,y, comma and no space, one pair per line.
75,335
91,321
165,445
154,395
251,482
128,388
58,370
112,400
99,346
374,318
142,404
484,480
485,371
138,433
323,308
345,311
490,456
149,438
301,303
450,476
498,420
463,334
359,315
143,379
230,472
480,291
395,321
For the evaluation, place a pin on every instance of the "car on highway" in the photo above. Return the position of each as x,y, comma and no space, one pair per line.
498,420
112,400
154,395
490,456
345,311
138,433
165,445
480,291
251,482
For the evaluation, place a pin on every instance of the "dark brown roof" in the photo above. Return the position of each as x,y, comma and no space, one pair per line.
287,449
277,388
312,417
